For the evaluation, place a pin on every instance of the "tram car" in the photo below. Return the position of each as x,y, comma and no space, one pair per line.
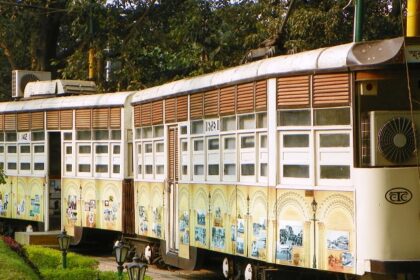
306,160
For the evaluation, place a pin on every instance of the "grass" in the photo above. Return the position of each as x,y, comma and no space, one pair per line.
12,266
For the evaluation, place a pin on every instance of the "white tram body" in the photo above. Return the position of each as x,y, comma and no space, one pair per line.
303,160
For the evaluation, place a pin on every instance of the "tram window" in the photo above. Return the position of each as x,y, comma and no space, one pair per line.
296,171
38,136
1,149
11,149
229,123
69,150
197,127
159,147
69,167
84,167
116,150
334,140
198,145
213,144
263,141
198,169
335,172
184,146
213,169
158,131
139,149
263,170
262,120
295,140
159,169
25,166
148,169
83,135
11,136
247,122
138,133
11,165
101,168
39,166
148,148
116,134
184,129
116,168
83,149
39,149
230,143
26,149
185,170
247,169
334,116
147,132
139,169
2,165
229,169
294,118
247,142
68,136
101,149
1,136
100,135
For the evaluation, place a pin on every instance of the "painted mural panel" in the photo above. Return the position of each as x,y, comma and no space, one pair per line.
71,203
200,216
36,199
110,205
230,226
219,226
156,215
184,220
21,204
258,223
5,201
89,201
242,215
142,205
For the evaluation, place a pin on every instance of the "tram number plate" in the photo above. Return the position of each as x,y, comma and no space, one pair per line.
24,137
211,126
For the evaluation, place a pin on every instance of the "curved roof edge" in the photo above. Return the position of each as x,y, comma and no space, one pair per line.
336,57
68,102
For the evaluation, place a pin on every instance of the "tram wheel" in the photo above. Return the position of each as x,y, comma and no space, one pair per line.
227,268
249,272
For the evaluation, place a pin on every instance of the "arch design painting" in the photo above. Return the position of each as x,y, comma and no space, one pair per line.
258,224
36,200
200,216
292,199
90,205
5,201
184,220
157,210
111,207
20,198
218,226
143,207
71,202
241,238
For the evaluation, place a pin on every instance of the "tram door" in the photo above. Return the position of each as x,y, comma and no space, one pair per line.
172,189
54,180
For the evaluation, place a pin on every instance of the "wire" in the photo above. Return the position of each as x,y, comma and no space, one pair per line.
410,95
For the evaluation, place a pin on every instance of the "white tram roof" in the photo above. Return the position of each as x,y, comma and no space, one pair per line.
68,102
331,58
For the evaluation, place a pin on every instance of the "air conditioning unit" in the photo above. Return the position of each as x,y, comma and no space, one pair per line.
20,78
392,139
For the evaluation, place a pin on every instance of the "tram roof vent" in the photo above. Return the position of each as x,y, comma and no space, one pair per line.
59,87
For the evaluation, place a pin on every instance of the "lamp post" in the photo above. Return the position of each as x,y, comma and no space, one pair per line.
136,270
314,205
121,252
64,243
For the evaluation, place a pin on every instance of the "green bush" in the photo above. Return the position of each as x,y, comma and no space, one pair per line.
47,258
69,274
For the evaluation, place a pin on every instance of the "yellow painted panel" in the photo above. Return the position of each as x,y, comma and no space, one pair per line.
143,208
242,221
156,210
5,201
35,189
218,217
257,222
110,205
184,220
89,205
200,217
71,209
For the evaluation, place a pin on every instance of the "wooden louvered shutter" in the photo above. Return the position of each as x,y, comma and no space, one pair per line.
170,110
146,114
37,120
66,119
293,92
173,154
1,122
261,95
157,112
83,118
53,119
137,115
245,98
115,119
23,121
182,108
100,118
227,101
196,106
211,103
10,122
331,90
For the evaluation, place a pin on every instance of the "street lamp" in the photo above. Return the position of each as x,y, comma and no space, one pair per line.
121,252
64,243
136,269
314,205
